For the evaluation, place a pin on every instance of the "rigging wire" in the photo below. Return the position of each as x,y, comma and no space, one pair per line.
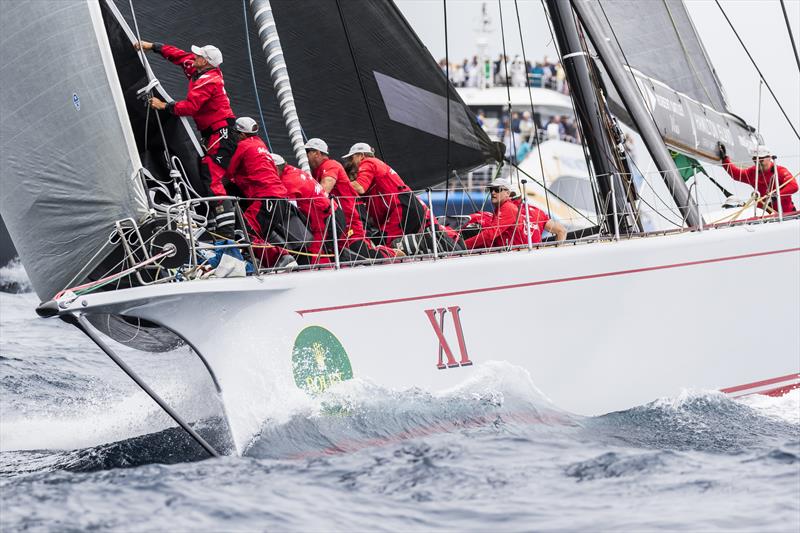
582,129
360,81
253,75
791,35
533,113
608,147
447,97
504,63
786,116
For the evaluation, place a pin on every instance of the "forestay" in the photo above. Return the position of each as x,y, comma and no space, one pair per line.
68,159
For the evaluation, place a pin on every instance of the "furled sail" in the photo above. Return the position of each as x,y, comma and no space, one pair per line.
363,75
67,154
659,44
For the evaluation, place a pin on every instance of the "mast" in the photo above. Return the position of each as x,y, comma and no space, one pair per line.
587,106
642,119
271,44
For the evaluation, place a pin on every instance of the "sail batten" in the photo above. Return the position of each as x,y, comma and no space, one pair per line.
68,164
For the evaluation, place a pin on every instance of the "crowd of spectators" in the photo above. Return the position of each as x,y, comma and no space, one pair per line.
505,71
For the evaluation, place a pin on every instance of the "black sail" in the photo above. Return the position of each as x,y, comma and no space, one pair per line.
358,73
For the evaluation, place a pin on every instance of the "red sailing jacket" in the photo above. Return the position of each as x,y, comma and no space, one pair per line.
345,195
253,170
537,218
310,196
502,229
766,181
206,101
381,185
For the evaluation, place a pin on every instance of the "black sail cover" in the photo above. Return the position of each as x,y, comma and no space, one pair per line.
358,72
657,40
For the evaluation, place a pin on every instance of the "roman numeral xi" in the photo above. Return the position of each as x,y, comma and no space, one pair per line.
437,319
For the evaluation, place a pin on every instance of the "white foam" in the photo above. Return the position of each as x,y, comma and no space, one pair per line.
104,420
15,273
785,408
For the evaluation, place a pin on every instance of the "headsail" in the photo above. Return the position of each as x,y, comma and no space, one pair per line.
363,75
657,41
69,163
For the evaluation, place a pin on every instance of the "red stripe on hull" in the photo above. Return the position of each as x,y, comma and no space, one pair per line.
303,312
762,383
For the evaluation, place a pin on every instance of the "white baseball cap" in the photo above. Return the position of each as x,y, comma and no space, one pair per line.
500,182
762,151
246,125
359,148
278,160
317,144
210,52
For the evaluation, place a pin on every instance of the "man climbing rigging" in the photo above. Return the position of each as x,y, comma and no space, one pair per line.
208,104
764,171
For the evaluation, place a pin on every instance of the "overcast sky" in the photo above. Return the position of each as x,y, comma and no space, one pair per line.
759,22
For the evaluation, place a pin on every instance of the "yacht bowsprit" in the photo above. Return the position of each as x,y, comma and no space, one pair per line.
105,213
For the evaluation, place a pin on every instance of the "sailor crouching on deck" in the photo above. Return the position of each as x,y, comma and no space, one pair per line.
392,206
208,104
254,174
333,178
313,202
764,170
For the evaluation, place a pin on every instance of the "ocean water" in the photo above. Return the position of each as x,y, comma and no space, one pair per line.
82,449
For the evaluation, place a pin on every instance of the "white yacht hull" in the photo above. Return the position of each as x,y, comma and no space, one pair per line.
599,327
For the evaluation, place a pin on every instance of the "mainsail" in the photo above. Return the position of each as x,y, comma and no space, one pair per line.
362,75
657,41
68,164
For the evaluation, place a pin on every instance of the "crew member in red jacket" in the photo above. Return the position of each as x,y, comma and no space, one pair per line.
764,170
313,202
208,104
503,228
333,178
538,220
253,171
391,204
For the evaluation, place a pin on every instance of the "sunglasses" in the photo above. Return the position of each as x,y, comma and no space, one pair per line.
497,189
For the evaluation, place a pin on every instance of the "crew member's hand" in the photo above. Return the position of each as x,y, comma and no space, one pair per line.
155,103
723,152
143,45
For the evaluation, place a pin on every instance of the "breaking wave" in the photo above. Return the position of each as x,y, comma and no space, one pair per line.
13,277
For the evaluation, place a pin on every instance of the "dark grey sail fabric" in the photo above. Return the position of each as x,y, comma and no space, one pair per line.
657,38
67,167
358,73
657,41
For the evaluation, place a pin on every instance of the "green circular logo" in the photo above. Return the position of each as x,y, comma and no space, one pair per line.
319,360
